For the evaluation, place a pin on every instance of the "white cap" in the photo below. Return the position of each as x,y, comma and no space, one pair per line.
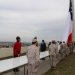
34,40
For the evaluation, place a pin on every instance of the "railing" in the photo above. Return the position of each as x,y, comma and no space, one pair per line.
9,64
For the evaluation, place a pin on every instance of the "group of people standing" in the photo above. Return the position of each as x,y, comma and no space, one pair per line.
33,53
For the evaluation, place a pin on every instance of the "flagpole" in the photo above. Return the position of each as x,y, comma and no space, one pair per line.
73,20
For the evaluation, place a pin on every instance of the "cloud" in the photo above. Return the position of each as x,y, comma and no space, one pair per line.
29,18
35,5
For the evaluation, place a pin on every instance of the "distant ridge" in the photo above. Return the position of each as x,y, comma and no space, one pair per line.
10,44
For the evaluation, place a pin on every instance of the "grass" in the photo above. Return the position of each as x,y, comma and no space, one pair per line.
65,67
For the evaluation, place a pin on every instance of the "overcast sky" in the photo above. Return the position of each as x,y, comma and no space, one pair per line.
45,19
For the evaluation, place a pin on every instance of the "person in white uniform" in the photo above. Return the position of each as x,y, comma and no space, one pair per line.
53,50
33,55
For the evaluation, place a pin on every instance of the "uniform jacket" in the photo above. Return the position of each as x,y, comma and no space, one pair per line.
53,49
33,54
43,47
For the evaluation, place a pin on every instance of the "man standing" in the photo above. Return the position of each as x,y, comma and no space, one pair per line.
62,50
17,50
33,58
53,50
43,46
71,47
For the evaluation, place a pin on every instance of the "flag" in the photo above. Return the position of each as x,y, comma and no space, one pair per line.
68,30
69,40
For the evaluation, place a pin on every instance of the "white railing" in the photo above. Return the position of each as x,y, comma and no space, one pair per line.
9,64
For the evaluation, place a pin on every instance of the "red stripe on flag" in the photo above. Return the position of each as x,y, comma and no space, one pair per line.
69,39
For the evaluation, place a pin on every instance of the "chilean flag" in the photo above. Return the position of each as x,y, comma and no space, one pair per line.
69,40
68,30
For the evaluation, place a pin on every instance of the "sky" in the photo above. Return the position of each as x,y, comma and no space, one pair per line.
45,19
74,11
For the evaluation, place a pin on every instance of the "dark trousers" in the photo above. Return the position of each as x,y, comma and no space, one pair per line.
15,69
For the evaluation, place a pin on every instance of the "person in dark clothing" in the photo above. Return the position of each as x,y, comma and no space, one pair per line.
43,47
